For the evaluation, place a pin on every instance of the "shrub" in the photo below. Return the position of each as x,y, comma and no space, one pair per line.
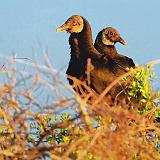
40,117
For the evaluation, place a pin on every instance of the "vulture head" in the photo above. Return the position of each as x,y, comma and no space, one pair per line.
109,36
73,25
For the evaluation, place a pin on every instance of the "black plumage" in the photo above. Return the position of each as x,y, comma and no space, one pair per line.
76,68
82,49
105,44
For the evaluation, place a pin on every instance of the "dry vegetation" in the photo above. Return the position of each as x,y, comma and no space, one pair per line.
41,118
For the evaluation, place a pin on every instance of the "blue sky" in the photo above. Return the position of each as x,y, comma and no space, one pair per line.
28,27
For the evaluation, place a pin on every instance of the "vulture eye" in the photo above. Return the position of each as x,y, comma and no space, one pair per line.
111,33
74,23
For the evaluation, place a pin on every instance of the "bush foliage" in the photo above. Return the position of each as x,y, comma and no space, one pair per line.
41,117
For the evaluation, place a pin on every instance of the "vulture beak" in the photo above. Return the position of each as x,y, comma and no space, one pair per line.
122,41
62,28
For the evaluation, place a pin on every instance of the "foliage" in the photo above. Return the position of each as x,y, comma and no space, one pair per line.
40,117
140,86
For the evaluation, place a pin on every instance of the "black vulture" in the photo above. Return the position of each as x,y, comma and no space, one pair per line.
105,44
76,67
82,50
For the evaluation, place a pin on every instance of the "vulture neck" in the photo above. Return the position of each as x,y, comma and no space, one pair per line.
85,42
107,50
85,37
73,41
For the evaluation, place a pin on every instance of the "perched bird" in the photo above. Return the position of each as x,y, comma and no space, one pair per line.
105,44
102,71
76,67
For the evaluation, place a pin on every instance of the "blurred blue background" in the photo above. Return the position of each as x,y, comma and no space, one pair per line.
27,28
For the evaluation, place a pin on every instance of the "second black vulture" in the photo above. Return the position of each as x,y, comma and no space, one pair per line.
82,49
105,44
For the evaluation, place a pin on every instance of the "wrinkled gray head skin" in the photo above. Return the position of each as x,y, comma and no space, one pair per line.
73,25
109,36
